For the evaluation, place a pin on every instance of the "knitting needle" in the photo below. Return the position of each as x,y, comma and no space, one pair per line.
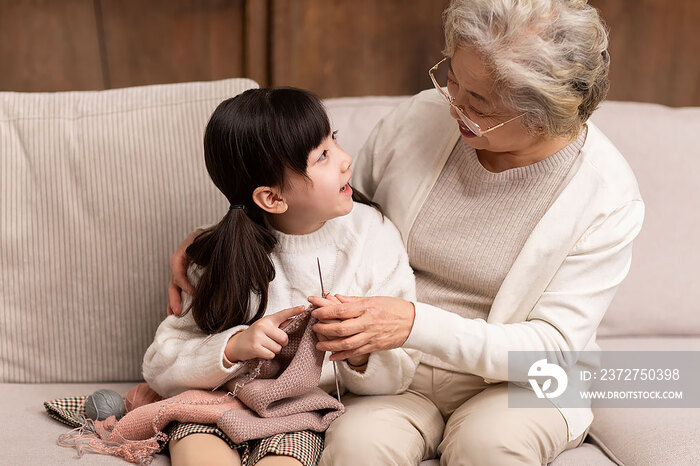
335,367
323,292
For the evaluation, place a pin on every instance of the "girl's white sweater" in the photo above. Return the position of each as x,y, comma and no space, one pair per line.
361,254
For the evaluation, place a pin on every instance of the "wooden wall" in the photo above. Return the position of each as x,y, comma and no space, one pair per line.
334,47
654,50
56,45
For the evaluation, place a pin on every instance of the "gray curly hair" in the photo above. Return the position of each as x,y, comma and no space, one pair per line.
549,58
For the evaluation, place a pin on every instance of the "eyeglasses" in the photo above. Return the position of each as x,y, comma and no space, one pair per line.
473,126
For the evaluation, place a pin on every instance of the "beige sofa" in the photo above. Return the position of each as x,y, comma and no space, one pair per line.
97,189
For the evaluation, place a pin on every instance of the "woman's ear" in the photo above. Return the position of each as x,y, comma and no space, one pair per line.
270,200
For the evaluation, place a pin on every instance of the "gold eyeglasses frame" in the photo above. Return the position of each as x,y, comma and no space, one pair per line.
472,125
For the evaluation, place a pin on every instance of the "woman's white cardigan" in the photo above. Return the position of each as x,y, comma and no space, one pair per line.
562,281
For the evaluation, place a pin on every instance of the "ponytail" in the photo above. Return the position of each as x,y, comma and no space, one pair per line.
235,257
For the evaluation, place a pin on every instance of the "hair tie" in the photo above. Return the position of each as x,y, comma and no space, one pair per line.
236,206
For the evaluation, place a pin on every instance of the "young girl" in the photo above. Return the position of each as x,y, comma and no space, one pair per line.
272,153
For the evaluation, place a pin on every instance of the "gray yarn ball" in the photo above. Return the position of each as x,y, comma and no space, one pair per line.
103,404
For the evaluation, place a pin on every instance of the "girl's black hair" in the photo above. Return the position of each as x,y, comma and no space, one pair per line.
249,141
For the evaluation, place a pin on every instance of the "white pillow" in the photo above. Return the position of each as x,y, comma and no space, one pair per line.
97,189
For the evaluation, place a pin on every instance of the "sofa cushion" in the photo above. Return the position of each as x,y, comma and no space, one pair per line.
31,436
356,117
96,191
659,296
585,455
23,403
648,436
670,343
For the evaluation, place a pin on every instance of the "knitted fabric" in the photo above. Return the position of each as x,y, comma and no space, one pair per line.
273,396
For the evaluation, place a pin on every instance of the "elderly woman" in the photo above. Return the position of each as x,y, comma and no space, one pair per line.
518,215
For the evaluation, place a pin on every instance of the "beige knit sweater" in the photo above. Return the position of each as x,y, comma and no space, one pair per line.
461,260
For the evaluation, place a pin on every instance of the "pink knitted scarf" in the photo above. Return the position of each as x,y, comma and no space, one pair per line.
271,397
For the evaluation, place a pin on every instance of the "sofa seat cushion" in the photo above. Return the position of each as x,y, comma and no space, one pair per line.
648,436
585,455
29,435
32,438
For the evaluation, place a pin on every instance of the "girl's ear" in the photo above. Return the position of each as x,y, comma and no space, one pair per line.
270,200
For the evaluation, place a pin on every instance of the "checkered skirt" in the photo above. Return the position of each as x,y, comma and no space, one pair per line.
306,446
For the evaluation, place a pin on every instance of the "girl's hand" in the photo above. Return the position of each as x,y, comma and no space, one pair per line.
368,324
179,262
263,339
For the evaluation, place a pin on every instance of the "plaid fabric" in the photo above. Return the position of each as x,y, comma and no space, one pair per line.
306,446
70,411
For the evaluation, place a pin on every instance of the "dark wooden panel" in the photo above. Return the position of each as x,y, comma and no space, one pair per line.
360,47
165,41
334,47
47,45
257,43
654,50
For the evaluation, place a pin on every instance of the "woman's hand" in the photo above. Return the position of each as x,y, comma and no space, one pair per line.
263,339
329,300
179,262
367,324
